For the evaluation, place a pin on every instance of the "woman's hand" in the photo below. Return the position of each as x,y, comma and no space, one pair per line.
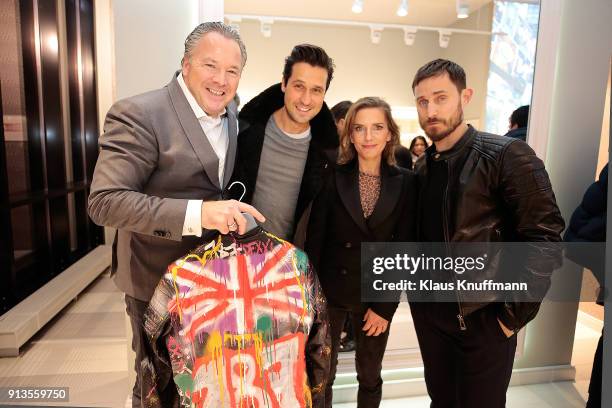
374,324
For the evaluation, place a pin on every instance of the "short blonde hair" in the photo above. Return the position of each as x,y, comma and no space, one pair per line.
347,151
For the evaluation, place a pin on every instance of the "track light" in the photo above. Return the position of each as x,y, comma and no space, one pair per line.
357,6
375,34
444,38
409,35
463,9
402,10
266,27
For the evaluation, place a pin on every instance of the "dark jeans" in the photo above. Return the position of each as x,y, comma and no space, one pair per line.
463,369
594,400
349,338
136,309
369,352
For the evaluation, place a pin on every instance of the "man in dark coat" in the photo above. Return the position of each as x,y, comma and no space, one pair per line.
287,143
476,187
588,224
518,123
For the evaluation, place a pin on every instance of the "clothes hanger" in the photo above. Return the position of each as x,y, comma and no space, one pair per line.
251,224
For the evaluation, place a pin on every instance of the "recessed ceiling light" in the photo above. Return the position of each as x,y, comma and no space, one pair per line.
402,10
463,9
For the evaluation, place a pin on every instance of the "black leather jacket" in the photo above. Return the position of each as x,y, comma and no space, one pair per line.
498,191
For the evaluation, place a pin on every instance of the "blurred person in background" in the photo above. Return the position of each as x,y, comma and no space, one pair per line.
518,123
403,157
339,112
417,148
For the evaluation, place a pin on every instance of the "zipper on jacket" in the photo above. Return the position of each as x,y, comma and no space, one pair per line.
460,316
462,325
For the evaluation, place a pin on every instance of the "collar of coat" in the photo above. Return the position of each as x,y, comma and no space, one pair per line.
347,184
259,109
466,140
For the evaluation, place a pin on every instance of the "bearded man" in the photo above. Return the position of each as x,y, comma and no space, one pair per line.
475,187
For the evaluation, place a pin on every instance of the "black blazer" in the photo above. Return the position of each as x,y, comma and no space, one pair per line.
337,228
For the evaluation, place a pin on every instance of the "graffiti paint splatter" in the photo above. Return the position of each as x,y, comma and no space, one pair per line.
240,314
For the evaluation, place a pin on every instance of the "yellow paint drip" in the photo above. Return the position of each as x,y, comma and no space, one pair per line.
214,348
307,394
269,234
258,344
255,338
241,340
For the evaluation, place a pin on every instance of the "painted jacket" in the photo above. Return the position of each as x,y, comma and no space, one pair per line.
242,322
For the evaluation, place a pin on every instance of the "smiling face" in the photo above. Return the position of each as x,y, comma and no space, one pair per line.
212,72
304,94
370,133
440,106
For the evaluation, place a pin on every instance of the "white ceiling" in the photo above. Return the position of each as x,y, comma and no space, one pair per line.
438,13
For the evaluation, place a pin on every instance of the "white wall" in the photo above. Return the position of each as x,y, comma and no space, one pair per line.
472,52
105,57
149,38
362,68
583,64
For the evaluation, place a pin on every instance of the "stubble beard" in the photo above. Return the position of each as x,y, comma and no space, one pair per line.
451,124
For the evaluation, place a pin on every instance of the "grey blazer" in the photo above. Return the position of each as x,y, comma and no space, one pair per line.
154,157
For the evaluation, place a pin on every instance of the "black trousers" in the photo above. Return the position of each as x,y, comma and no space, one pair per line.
136,309
463,369
369,352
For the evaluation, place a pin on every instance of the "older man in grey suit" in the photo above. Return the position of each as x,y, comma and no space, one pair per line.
166,157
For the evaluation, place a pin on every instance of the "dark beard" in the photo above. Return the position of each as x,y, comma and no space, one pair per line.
451,124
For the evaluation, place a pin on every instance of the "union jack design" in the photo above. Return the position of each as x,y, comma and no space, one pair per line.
230,294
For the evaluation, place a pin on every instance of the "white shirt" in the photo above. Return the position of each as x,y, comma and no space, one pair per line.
215,130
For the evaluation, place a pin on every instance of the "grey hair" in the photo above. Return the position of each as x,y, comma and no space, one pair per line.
213,27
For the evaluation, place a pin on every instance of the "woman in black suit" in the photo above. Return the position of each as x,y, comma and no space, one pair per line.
367,199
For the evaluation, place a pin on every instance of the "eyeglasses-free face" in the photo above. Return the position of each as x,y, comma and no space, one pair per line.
370,133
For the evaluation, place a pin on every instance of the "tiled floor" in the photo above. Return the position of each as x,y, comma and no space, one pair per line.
85,348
